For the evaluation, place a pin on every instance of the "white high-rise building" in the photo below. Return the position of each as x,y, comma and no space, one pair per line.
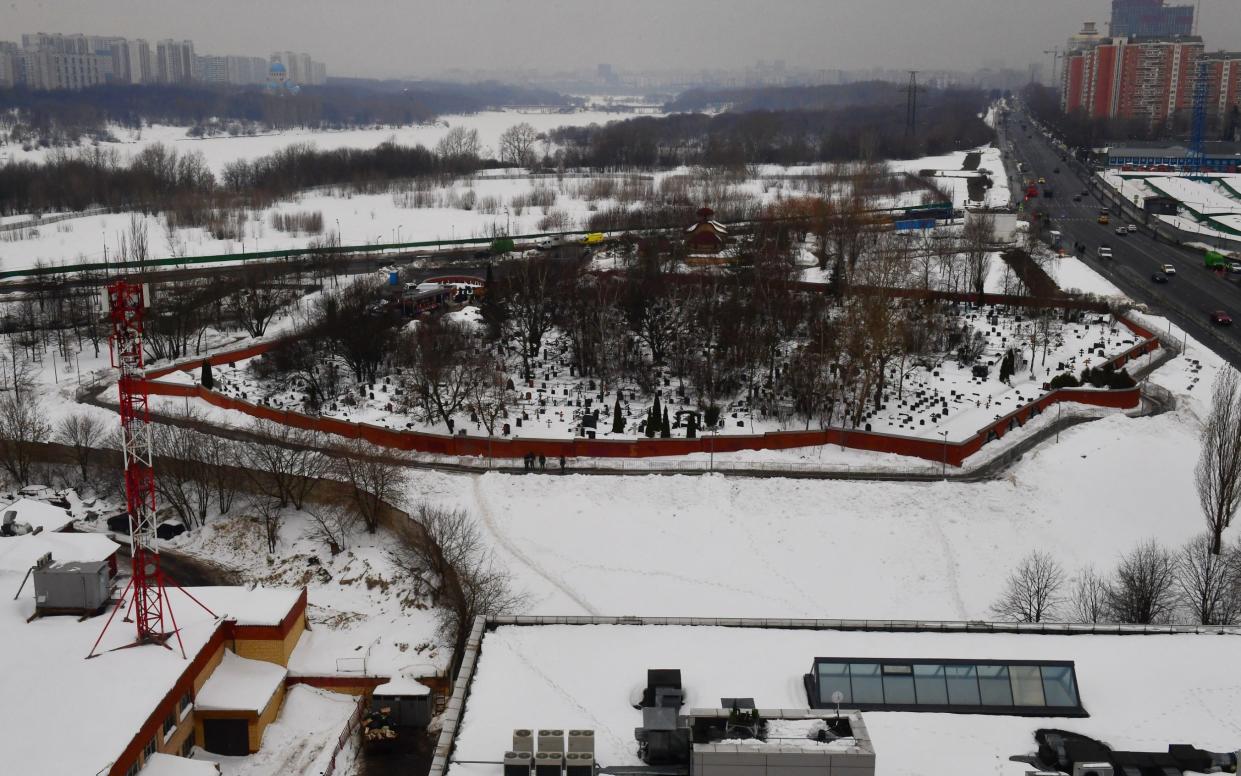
174,61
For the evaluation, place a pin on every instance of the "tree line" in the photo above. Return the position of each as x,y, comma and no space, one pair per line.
49,118
949,121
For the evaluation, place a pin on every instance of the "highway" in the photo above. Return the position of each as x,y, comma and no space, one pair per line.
1190,295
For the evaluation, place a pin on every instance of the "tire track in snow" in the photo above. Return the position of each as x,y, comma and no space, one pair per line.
953,575
512,548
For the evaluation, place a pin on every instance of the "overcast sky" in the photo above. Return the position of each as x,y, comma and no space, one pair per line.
413,38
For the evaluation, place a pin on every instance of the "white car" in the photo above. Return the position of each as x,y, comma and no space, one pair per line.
1168,269
1133,228
1105,252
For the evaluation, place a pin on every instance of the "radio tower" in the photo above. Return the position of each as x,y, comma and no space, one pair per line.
149,602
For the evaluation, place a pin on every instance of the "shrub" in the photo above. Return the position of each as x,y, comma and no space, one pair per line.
1065,380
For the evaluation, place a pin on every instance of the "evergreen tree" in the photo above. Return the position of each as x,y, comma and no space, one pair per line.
656,416
666,429
618,422
650,423
691,428
207,379
1006,366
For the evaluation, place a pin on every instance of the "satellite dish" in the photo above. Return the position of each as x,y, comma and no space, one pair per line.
837,697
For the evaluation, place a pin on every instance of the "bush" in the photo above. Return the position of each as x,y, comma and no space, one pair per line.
1065,380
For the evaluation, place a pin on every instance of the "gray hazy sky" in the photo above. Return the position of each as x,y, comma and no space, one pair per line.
421,37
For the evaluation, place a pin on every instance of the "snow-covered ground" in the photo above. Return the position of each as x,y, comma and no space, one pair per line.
1211,203
218,151
476,207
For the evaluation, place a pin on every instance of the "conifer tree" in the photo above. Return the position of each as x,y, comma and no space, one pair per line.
665,430
207,379
618,421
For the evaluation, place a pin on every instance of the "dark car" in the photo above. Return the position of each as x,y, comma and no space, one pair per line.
1077,197
1221,318
1159,277
482,255
1056,170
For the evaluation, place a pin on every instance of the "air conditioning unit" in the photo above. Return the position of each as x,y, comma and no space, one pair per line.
548,763
1093,769
517,763
579,764
523,740
551,741
582,741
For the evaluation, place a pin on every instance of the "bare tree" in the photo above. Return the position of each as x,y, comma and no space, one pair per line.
446,549
1143,591
459,145
488,399
976,239
82,432
23,425
180,475
375,484
334,523
1088,598
517,144
284,463
1209,584
1218,474
1033,592
253,302
268,513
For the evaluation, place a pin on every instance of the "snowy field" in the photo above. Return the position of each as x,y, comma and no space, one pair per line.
218,151
480,206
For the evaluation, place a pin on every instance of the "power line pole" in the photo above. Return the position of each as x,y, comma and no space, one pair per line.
911,104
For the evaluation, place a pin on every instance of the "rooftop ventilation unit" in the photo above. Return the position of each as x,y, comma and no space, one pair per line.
551,741
548,763
523,741
1092,769
582,741
517,763
579,764
663,688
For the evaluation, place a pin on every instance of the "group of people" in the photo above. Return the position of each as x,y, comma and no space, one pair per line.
531,460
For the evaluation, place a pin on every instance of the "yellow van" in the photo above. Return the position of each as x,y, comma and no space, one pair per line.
594,238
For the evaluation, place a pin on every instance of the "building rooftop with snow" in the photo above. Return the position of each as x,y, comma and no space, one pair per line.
1133,688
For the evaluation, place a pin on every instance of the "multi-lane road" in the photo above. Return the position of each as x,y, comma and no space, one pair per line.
1189,297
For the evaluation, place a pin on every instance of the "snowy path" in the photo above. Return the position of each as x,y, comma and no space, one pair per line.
494,527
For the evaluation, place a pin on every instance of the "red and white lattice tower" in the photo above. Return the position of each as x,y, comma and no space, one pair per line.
149,602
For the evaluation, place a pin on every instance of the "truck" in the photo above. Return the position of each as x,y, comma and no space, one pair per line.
1055,239
1215,260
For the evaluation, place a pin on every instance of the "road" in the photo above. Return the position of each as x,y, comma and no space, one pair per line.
1190,295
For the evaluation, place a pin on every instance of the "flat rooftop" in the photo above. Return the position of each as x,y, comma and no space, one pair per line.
1141,691
45,666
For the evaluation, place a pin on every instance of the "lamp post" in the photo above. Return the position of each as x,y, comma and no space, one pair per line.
943,469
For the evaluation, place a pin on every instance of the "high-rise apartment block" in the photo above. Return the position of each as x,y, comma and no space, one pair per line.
58,61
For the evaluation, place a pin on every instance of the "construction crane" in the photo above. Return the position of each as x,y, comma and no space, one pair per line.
147,592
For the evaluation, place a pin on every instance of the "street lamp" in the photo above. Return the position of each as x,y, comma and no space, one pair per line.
943,470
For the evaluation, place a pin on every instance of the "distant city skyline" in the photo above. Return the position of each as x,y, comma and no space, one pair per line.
384,38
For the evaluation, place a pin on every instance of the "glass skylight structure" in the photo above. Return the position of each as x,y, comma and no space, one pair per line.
1041,688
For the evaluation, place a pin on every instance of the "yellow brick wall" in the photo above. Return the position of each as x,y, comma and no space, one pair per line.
210,667
185,728
265,718
272,650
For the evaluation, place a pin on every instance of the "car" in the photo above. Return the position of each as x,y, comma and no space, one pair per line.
1103,218
1234,267
1077,197
1168,269
1056,171
1085,192
482,254
1121,231
1042,181
1159,277
1132,228
1105,252
1221,318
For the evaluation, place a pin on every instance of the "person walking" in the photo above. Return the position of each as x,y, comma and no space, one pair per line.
562,464
542,462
